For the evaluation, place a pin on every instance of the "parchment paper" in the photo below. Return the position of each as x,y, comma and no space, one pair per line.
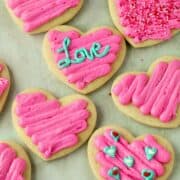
23,55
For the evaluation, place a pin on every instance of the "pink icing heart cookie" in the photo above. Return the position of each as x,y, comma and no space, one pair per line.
114,154
4,84
53,128
35,17
146,23
14,162
84,61
151,98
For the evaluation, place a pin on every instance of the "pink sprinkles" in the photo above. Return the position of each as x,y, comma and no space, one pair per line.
149,19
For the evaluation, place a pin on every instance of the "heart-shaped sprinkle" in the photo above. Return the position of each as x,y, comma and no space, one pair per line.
156,94
114,173
31,13
115,135
150,152
129,161
142,20
148,174
53,126
80,60
110,151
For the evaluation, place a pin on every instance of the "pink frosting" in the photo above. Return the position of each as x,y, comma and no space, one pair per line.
149,19
88,71
135,150
37,13
158,95
4,83
1,67
51,126
11,166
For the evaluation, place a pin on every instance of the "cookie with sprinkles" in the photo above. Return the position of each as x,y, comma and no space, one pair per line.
147,157
39,16
146,22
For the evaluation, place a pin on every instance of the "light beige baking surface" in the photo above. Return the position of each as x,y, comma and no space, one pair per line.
68,15
48,55
134,112
22,53
83,136
116,20
4,74
20,152
92,151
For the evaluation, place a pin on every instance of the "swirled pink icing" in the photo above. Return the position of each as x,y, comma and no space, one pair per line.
135,150
148,19
88,71
157,95
51,126
37,13
4,83
11,166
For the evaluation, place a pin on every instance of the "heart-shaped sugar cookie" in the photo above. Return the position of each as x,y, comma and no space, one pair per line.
152,97
53,128
4,84
14,162
35,17
130,159
84,61
146,23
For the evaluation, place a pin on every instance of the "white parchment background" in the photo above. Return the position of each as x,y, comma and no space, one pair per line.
23,55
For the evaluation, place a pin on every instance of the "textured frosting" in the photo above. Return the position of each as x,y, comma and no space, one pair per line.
4,83
148,19
51,126
11,166
84,73
140,167
37,13
157,95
